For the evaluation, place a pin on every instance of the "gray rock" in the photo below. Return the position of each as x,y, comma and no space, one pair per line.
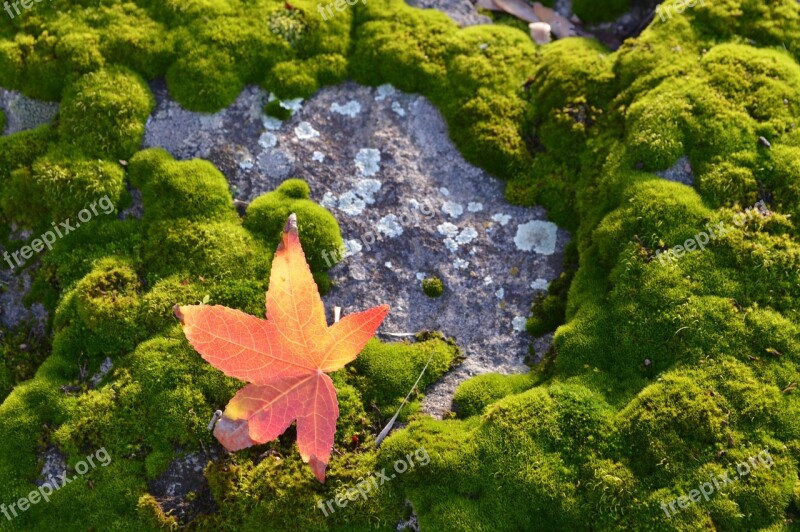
409,206
462,12
680,172
23,113
14,286
185,476
54,464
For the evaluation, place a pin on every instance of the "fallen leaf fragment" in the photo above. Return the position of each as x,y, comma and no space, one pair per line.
285,358
519,8
535,13
561,26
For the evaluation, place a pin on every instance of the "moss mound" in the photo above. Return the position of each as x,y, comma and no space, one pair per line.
104,113
319,232
666,368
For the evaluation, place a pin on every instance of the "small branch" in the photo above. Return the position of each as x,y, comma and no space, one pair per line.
389,425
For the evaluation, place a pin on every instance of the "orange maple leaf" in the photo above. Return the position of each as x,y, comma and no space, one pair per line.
285,358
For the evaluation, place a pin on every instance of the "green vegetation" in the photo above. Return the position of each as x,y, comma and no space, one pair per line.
171,190
104,113
21,353
267,214
432,286
386,372
549,310
593,11
660,375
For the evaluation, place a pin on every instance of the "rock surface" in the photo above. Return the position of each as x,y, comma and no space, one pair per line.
409,207
408,204
680,172
462,12
24,113
14,285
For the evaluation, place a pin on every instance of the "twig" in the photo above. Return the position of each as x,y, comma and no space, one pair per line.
389,425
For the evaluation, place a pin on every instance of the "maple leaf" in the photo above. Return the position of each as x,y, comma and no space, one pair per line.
285,358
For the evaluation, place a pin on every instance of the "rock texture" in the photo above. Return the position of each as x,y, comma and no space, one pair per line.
409,207
462,12
24,113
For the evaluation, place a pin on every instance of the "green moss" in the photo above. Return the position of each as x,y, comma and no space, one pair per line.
517,442
205,79
289,24
213,250
474,395
151,513
21,149
274,108
64,265
660,374
58,185
294,188
591,12
43,65
292,78
102,311
548,313
21,352
104,113
303,77
128,36
385,373
319,232
159,301
549,310
432,286
171,190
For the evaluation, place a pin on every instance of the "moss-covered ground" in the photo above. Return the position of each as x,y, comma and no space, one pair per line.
660,374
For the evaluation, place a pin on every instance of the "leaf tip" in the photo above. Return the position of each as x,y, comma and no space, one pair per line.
178,314
383,312
318,467
290,229
291,224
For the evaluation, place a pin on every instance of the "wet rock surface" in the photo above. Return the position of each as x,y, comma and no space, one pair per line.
409,207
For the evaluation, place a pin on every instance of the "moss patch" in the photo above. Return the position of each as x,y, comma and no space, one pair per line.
660,374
